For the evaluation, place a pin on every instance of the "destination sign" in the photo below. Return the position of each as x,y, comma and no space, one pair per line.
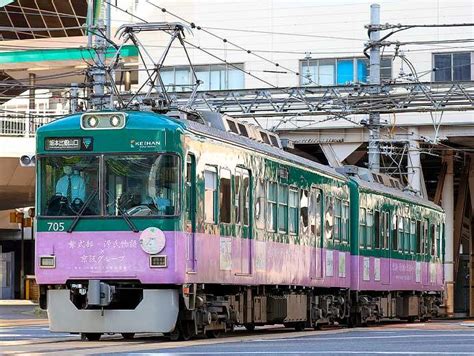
68,144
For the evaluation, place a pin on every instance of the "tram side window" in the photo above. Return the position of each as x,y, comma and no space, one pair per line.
345,221
395,235
386,230
406,239
245,196
272,192
433,235
425,248
413,236
260,205
377,224
329,218
418,236
401,233
370,229
293,211
224,196
439,237
210,194
304,205
315,211
362,227
337,218
237,202
283,208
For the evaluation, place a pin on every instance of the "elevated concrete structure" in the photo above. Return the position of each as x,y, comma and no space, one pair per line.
17,184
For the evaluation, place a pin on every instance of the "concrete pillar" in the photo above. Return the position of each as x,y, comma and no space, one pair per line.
414,163
448,206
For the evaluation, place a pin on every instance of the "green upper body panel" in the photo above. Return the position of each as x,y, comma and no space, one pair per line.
162,130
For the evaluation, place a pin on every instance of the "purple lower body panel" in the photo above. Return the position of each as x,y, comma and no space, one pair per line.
205,258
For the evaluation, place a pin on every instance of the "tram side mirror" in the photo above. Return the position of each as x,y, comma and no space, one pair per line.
28,160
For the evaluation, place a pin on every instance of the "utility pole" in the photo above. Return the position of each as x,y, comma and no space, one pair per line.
374,117
98,32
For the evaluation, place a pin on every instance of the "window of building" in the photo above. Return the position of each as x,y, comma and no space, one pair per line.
272,192
213,77
225,197
283,208
210,194
293,211
341,71
362,227
452,66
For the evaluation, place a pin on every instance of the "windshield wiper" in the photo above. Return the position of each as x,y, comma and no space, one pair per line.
122,213
81,211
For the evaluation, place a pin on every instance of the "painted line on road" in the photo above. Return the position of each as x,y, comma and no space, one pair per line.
327,352
361,337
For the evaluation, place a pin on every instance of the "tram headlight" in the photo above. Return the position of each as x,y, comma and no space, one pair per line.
48,262
115,121
103,121
92,121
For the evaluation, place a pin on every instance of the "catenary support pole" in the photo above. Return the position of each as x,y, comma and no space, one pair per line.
374,118
448,206
414,162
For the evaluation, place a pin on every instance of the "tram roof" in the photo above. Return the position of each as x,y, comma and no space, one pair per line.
396,193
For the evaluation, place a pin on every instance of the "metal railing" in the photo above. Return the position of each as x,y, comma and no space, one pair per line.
25,125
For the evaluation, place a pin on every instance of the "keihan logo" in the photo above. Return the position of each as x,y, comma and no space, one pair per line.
144,144
86,142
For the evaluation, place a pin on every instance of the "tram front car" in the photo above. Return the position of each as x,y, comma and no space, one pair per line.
109,196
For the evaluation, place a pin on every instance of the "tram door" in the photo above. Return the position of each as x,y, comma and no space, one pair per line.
191,211
315,217
242,197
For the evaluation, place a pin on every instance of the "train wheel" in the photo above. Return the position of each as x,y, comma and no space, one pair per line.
249,327
182,332
213,334
90,336
128,336
299,326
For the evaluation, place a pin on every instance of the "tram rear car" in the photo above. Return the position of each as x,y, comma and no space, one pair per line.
185,225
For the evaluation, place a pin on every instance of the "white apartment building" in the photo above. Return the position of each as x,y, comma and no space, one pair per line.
313,43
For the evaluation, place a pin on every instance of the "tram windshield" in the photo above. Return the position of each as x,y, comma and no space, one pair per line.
134,185
67,184
142,185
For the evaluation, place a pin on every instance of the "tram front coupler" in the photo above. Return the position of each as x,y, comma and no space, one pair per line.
99,294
